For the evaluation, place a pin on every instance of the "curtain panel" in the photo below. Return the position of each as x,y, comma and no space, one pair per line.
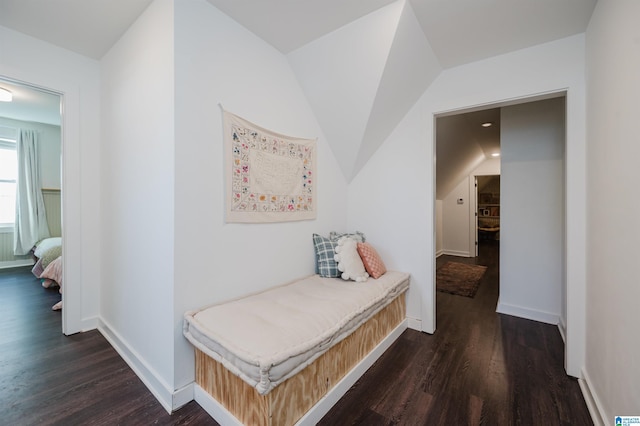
31,218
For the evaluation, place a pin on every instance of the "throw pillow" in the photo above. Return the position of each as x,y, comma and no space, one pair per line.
357,235
50,255
349,262
371,260
324,248
45,245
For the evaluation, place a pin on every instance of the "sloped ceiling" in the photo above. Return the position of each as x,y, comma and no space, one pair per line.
87,27
362,64
362,78
380,65
462,144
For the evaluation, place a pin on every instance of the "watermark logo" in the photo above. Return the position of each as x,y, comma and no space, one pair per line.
627,421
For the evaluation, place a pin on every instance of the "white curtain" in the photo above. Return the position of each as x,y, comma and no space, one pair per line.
31,219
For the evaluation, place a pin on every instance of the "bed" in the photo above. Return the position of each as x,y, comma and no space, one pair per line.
48,264
268,358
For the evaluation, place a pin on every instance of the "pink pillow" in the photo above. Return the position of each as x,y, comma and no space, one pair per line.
371,259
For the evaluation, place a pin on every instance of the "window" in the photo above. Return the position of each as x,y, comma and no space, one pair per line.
8,175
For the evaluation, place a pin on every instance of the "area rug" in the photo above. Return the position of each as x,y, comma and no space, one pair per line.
459,278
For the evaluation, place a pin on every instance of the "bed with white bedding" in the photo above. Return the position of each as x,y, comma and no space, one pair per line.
283,335
48,265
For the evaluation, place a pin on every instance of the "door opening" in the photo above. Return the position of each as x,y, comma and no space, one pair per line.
487,209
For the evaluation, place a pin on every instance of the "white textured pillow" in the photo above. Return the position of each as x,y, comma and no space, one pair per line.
349,261
45,245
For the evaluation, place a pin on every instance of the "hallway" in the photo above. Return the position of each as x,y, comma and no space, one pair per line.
479,368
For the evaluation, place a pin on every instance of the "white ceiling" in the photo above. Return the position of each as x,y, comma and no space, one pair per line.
462,144
30,104
459,31
87,27
392,49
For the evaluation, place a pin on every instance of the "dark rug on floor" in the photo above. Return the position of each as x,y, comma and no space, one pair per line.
459,278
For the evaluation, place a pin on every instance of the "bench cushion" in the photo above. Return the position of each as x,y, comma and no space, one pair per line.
268,337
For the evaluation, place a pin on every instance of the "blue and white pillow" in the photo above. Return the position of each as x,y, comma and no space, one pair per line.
357,235
325,249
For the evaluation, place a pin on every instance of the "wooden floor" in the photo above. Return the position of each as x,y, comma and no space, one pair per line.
479,368
49,379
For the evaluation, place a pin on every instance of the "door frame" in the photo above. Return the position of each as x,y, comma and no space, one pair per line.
69,196
575,201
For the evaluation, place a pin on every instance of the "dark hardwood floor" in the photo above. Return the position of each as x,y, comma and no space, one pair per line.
479,368
47,378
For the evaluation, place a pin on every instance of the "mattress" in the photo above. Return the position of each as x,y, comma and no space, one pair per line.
267,337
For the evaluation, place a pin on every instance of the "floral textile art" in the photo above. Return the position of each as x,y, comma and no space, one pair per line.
270,177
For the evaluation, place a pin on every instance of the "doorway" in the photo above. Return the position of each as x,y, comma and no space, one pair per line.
530,215
30,108
487,227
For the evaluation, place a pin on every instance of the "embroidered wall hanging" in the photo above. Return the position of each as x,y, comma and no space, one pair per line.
270,177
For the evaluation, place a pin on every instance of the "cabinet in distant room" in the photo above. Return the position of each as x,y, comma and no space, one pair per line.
488,198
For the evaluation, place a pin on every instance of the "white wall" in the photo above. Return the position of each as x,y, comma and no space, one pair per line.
532,210
490,166
138,197
612,369
458,220
455,219
76,77
218,61
394,194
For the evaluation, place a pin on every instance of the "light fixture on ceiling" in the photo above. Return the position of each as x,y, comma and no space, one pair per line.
487,124
5,95
495,154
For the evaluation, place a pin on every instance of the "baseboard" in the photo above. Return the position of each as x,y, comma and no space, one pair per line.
216,410
439,253
322,407
88,324
183,396
152,380
414,323
527,313
6,264
456,253
562,327
593,402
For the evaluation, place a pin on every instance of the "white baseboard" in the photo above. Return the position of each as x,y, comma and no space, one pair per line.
216,410
183,396
152,380
15,263
456,253
439,253
562,327
322,407
414,323
593,402
527,313
88,324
